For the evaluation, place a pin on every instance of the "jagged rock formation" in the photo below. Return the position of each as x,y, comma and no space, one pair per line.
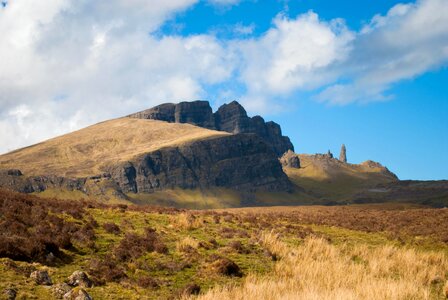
241,162
343,154
230,117
290,160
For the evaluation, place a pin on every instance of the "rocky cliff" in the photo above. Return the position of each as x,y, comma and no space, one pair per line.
241,162
230,117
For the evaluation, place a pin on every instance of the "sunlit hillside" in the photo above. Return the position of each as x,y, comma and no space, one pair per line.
87,151
330,179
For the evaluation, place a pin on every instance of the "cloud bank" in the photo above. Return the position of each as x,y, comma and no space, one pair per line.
66,64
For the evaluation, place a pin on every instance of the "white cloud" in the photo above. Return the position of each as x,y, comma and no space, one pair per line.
408,41
294,54
66,64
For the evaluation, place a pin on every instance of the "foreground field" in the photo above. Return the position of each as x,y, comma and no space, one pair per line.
136,252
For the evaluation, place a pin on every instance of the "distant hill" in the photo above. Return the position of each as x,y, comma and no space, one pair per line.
331,181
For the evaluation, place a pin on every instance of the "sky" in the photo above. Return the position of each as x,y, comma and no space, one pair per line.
374,77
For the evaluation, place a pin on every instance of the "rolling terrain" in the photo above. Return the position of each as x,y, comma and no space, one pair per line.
53,248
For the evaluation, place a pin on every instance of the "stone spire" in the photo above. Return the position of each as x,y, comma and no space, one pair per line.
343,154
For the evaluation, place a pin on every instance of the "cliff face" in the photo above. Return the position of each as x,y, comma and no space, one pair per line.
230,117
241,162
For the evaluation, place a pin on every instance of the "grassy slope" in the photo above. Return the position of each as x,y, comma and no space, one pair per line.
376,256
85,152
332,180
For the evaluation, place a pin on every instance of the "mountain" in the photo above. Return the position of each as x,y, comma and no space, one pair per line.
186,155
126,158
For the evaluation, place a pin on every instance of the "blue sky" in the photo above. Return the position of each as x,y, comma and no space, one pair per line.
408,133
371,76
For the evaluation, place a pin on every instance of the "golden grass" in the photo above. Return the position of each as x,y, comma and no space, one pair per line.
333,179
319,270
190,198
186,244
87,151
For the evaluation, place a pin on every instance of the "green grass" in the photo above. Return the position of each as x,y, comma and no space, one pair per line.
203,229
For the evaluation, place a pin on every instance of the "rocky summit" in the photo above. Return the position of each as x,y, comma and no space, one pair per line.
230,118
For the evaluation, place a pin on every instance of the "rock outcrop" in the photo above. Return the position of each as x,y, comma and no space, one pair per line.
343,154
15,180
241,162
290,160
230,117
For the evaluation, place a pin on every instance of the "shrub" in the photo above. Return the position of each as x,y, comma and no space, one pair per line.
106,270
112,228
147,282
31,231
133,245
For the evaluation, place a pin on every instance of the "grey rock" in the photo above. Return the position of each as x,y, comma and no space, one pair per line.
60,289
163,112
290,159
241,162
233,118
10,293
77,294
198,113
230,117
79,278
14,172
343,154
41,277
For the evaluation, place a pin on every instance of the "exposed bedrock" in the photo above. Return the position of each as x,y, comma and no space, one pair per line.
242,162
230,117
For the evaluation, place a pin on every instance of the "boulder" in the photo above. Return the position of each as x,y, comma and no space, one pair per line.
77,294
290,160
10,293
41,277
79,278
14,172
60,289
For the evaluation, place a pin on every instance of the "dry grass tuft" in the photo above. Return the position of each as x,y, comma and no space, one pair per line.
319,270
187,245
186,221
